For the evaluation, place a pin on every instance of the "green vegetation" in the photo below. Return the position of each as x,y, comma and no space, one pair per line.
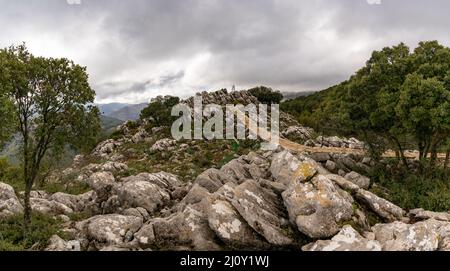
41,228
266,95
48,100
410,190
158,112
399,100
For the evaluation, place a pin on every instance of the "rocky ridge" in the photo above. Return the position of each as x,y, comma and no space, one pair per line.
277,200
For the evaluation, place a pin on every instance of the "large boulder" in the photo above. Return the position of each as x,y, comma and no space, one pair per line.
112,229
102,183
138,193
358,179
318,207
421,214
383,208
77,203
288,169
212,179
231,228
9,203
422,236
188,228
262,209
49,207
149,191
348,239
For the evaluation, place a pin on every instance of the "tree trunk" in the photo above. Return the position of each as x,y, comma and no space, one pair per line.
27,205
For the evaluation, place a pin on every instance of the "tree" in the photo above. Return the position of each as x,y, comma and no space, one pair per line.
266,95
49,100
158,112
424,110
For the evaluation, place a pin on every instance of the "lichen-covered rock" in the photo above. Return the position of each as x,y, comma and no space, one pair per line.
112,229
77,203
298,132
385,209
9,203
358,179
102,183
165,144
138,193
212,179
49,207
106,148
421,214
56,243
398,236
318,207
263,211
231,228
347,239
186,228
343,183
287,169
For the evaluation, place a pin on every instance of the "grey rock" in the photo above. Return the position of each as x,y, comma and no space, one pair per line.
9,203
385,209
358,179
318,207
347,239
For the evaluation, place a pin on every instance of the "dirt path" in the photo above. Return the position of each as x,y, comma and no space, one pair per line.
296,147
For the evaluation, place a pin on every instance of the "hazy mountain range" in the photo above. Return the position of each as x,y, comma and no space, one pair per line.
121,111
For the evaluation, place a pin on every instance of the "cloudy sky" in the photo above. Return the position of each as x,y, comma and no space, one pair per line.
138,49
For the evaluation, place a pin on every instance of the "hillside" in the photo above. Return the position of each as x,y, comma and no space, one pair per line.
142,190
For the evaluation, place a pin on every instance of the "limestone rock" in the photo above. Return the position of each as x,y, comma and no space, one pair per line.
347,239
358,179
110,229
49,207
398,236
262,210
385,209
318,207
231,228
9,203
287,169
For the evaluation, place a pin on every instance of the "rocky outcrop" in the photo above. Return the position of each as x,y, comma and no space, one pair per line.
336,142
106,230
164,145
318,207
9,203
298,133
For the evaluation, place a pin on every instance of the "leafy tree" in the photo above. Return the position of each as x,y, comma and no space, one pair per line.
424,108
158,112
266,95
49,101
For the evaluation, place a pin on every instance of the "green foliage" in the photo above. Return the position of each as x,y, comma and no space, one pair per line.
158,112
430,190
266,95
49,98
398,98
13,238
11,175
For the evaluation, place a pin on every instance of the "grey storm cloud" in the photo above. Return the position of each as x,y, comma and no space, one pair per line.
138,49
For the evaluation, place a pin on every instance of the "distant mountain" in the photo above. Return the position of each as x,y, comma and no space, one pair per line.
121,111
107,109
129,112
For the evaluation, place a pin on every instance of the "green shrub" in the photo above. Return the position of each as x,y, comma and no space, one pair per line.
13,238
429,190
